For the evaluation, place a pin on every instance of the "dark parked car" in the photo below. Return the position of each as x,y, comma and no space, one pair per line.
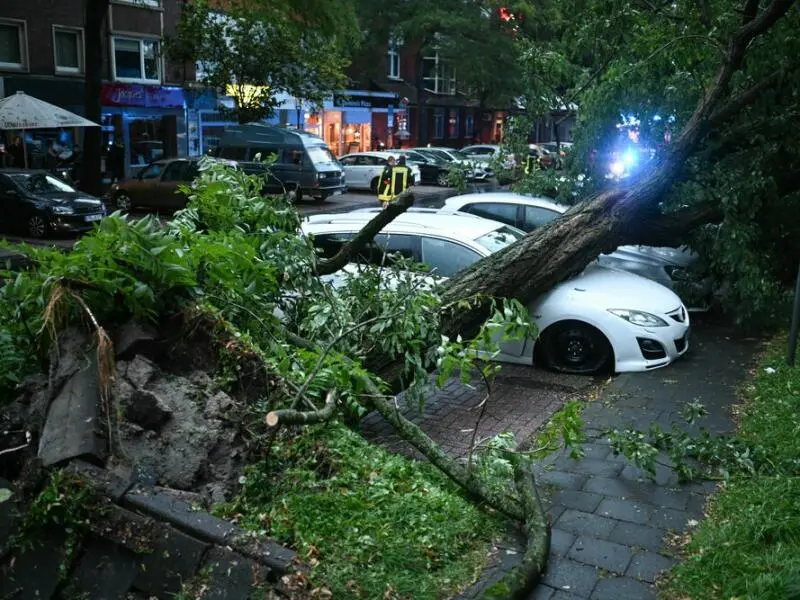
40,204
156,186
432,169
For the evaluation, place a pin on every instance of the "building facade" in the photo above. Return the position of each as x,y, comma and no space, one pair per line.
42,53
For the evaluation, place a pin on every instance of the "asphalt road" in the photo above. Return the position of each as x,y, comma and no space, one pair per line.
426,196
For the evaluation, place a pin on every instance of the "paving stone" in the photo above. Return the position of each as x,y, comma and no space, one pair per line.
266,552
664,476
638,536
174,559
600,553
34,574
622,588
696,506
646,566
560,542
668,518
584,501
597,451
637,490
231,576
562,479
582,523
588,466
180,513
555,512
570,576
625,510
106,571
561,595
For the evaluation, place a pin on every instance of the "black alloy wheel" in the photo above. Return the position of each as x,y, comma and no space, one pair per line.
574,347
442,179
37,226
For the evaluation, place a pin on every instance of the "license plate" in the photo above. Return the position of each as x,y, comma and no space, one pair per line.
90,218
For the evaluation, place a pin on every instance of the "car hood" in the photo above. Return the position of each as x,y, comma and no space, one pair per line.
73,199
680,257
612,288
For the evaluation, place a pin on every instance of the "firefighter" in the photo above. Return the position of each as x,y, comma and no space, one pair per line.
395,179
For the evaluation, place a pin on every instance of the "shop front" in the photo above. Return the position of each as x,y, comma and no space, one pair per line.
149,120
360,120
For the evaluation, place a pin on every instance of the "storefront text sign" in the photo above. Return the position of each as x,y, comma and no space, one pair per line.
146,96
359,101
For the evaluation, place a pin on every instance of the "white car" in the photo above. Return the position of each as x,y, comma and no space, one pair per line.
667,266
363,169
600,320
485,153
476,170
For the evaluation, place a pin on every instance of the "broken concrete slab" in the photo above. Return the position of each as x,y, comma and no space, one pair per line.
231,576
139,371
73,428
146,409
68,356
33,573
266,552
111,484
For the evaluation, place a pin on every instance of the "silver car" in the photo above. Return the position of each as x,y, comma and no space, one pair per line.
667,266
476,170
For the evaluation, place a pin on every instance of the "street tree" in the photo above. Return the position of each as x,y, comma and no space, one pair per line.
254,50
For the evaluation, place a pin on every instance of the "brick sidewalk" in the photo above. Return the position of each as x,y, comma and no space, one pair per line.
611,523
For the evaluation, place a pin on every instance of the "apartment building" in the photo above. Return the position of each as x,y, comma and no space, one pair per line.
144,101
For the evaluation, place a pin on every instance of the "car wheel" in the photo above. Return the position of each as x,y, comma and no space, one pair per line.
574,347
443,179
124,202
37,226
373,185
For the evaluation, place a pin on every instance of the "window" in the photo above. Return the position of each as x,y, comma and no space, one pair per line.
536,217
469,125
446,258
137,60
12,45
452,123
348,161
233,153
438,124
480,151
147,3
393,56
392,244
68,50
152,172
505,213
439,76
176,171
499,238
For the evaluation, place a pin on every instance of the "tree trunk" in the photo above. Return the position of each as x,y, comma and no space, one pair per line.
95,18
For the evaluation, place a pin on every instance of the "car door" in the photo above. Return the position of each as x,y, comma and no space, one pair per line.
374,171
504,212
348,163
165,190
140,189
14,208
536,216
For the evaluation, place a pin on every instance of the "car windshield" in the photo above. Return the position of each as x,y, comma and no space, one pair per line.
437,155
458,155
41,183
320,155
499,238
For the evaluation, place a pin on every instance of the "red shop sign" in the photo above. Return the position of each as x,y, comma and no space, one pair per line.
147,96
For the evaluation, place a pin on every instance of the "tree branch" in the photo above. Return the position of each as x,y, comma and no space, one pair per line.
297,417
396,208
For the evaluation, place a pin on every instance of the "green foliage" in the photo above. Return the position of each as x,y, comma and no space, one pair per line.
258,49
749,546
370,522
565,426
457,177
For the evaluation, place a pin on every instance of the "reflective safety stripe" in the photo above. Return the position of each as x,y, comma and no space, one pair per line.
387,190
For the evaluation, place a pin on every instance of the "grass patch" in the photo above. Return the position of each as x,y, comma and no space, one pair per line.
371,523
749,547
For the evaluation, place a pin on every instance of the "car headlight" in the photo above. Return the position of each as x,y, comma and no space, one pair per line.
63,210
617,168
637,317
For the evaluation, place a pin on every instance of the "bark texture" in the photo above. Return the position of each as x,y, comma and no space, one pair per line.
95,19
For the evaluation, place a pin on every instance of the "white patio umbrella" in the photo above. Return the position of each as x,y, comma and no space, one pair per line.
23,112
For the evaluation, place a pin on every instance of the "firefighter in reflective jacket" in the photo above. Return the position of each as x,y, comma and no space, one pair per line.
395,179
